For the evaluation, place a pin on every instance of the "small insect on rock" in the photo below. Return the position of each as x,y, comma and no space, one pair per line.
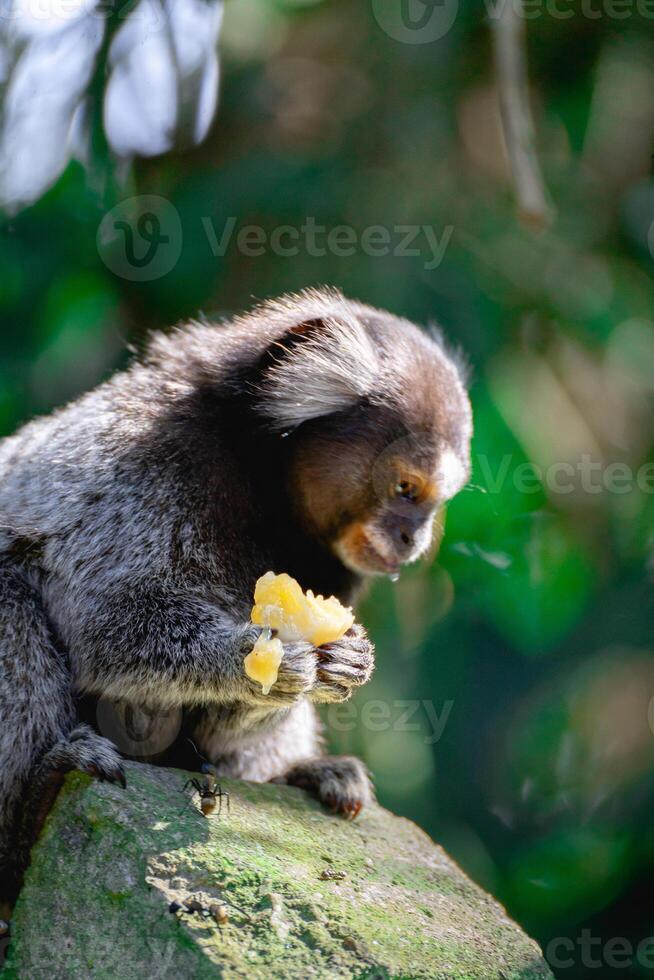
210,792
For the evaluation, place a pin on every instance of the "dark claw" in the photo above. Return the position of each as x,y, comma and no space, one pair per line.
108,775
351,809
118,776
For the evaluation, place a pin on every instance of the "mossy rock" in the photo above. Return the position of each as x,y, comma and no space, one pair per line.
279,889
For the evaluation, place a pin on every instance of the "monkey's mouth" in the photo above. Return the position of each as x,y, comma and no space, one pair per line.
362,551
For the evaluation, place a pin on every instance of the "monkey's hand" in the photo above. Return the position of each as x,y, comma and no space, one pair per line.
296,677
324,674
343,666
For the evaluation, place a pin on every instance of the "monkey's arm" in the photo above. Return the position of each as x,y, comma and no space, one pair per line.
177,647
174,647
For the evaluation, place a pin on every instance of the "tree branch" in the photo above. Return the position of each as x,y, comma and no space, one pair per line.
510,47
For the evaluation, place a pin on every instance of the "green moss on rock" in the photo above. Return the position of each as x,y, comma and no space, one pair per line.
110,866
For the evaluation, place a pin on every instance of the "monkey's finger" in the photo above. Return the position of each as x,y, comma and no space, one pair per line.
349,675
347,660
347,647
116,775
341,678
291,686
345,806
324,693
346,653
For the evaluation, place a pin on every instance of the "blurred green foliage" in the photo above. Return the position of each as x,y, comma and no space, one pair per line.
535,622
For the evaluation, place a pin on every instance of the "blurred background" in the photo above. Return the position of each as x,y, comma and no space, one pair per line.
511,714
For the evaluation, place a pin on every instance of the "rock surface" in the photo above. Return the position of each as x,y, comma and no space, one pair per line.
274,887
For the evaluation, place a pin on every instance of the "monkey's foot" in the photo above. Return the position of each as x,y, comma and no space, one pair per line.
84,750
341,783
80,749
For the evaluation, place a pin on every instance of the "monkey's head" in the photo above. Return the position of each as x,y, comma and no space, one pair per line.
377,422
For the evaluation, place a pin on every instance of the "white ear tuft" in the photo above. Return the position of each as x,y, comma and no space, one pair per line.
326,371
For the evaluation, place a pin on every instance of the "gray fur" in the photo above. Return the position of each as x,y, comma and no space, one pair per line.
328,374
36,709
131,536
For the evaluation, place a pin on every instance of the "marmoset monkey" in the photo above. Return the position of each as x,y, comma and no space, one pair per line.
315,436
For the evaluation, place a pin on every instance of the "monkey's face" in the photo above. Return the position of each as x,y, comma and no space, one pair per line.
375,504
380,426
397,526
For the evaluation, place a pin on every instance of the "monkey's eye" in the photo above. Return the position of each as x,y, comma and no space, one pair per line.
406,489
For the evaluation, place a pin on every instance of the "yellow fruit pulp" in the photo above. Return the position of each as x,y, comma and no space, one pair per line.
262,663
280,603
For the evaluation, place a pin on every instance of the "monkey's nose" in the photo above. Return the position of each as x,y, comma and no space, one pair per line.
404,538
